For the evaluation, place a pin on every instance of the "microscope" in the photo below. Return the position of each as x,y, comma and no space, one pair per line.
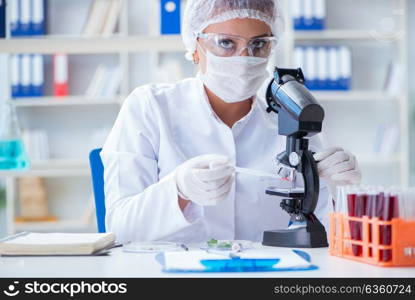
299,117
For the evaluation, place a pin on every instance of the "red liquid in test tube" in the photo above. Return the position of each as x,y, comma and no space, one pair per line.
370,212
360,210
351,201
389,211
357,207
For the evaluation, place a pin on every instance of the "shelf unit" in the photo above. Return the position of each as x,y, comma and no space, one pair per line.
66,101
353,96
52,168
126,43
72,45
67,168
344,35
70,225
173,43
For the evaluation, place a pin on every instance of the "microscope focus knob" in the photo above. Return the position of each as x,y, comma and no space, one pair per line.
294,159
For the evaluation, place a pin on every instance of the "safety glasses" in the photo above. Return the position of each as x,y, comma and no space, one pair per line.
226,45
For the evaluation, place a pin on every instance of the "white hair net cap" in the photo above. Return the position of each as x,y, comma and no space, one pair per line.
199,14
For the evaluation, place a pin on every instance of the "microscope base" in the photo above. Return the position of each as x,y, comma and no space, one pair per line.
295,238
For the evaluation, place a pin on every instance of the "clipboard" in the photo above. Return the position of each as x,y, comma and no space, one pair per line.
237,265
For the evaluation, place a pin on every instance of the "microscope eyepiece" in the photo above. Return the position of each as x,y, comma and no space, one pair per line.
299,112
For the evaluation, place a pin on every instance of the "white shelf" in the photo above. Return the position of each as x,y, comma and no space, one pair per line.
52,168
85,101
65,101
59,164
68,225
80,45
167,43
330,96
46,173
342,35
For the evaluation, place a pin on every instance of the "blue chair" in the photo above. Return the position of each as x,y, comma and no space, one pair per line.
97,172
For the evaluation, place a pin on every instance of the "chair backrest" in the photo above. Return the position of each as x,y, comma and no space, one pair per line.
97,172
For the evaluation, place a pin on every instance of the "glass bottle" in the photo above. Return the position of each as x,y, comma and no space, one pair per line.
13,155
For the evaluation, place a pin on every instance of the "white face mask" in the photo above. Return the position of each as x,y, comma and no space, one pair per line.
236,78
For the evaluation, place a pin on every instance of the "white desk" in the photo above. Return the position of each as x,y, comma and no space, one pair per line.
121,264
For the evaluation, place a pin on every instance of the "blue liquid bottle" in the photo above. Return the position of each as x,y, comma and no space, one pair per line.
13,155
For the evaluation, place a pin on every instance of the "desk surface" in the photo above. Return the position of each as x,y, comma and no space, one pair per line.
122,264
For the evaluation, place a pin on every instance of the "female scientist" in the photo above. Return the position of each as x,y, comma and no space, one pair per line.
170,158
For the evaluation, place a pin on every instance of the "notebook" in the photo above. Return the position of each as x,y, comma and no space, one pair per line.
252,260
29,243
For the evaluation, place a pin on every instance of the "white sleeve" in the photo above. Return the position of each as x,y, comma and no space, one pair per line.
324,206
139,206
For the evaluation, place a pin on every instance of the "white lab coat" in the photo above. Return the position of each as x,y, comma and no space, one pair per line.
161,126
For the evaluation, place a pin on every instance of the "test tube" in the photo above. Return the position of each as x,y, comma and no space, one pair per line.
351,205
390,211
370,212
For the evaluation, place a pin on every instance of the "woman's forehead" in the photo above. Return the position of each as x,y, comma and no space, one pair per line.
247,28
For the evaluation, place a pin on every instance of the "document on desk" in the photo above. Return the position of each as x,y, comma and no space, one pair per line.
252,260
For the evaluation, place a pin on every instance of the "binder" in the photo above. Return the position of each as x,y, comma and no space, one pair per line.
297,14
25,16
322,69
37,80
37,17
334,70
26,75
308,14
14,17
2,18
299,57
60,82
325,67
319,14
15,75
170,16
310,68
345,62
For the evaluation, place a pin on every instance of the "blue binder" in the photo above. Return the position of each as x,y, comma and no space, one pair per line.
37,78
14,18
334,82
298,14
25,75
24,17
319,14
308,15
312,14
170,16
16,75
37,17
345,68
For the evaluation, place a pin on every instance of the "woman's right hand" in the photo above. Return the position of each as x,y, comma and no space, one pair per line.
205,180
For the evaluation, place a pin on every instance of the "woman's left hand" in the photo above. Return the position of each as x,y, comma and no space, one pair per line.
338,167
